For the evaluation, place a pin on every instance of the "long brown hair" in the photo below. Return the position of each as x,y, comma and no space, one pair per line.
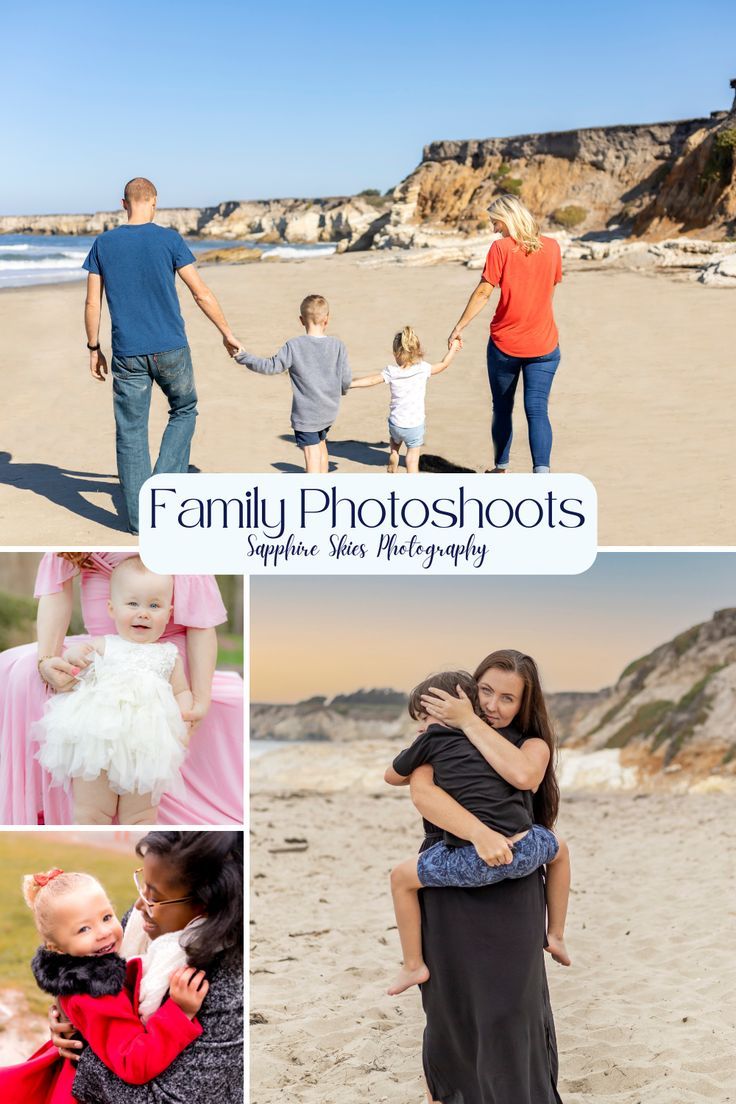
533,721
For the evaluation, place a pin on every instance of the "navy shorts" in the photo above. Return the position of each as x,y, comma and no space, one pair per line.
306,437
441,865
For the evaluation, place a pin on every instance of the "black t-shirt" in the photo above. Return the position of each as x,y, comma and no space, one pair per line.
461,770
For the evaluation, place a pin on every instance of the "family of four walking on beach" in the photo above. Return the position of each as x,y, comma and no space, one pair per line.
135,266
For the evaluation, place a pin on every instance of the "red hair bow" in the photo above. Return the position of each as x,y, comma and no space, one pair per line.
44,879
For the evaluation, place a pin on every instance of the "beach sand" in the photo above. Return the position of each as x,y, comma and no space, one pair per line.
646,1014
642,404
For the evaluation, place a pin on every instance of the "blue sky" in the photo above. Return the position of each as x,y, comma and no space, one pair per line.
221,101
316,635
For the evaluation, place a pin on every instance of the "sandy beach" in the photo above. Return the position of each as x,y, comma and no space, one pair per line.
645,1014
641,404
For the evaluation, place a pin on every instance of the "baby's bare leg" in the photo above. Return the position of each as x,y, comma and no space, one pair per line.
558,895
412,460
393,457
135,808
94,802
405,885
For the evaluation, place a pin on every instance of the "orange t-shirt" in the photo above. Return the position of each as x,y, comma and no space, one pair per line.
523,325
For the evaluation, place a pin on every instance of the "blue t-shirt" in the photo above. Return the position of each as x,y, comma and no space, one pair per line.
138,268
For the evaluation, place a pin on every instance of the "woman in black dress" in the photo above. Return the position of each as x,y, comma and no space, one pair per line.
490,1036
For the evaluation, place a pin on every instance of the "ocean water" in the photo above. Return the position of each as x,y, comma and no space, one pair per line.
27,259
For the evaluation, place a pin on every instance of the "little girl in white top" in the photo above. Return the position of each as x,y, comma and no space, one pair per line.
119,733
407,379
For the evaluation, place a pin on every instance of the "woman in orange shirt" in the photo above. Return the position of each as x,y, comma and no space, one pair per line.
524,339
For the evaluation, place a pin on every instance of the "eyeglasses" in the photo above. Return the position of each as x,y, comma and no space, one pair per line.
140,885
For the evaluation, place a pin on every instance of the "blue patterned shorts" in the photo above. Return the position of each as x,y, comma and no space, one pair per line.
441,865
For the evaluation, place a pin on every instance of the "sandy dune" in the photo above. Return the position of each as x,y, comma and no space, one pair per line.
647,1013
642,404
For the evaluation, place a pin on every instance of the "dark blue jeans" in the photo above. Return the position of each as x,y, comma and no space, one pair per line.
132,378
503,376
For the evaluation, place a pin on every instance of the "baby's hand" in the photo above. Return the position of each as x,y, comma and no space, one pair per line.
80,656
188,988
456,344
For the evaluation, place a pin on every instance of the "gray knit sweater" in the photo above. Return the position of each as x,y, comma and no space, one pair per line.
319,372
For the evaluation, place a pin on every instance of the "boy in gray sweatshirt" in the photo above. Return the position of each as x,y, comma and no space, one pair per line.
320,375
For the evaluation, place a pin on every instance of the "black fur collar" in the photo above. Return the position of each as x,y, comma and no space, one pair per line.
65,975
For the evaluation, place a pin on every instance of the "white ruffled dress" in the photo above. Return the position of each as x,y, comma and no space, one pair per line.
122,717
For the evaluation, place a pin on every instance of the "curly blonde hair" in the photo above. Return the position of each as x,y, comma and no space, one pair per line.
41,890
407,348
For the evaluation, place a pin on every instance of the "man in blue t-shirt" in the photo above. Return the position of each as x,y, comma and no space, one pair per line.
136,265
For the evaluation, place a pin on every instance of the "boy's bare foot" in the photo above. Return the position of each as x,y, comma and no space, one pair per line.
406,978
556,947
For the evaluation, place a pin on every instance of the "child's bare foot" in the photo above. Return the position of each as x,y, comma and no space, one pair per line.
393,463
406,978
556,947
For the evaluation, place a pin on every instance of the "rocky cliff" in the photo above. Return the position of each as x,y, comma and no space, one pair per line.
273,220
671,712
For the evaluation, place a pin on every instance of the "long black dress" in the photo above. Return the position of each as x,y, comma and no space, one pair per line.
490,1035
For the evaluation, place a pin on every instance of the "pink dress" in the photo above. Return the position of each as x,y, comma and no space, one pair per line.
213,769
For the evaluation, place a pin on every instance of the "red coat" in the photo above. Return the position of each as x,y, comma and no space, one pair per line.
111,1026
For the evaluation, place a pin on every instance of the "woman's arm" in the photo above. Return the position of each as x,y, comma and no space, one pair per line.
437,806
52,622
180,687
523,767
475,305
202,656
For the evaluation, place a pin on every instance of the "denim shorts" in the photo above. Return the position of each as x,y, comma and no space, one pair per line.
306,437
441,865
412,438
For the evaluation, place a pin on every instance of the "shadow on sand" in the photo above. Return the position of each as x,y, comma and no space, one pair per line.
371,454
66,488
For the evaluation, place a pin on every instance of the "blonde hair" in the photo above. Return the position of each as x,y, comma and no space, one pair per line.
314,308
519,221
40,891
407,347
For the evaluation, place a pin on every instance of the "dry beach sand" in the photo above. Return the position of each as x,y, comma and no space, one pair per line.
642,404
646,1014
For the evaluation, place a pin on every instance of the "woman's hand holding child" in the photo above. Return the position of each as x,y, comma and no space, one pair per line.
188,988
455,712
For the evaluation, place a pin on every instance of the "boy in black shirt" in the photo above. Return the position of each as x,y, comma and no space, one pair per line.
461,770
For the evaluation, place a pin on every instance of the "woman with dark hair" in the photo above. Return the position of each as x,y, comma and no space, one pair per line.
190,883
490,1035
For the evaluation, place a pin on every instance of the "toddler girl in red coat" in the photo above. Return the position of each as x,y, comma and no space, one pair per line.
80,965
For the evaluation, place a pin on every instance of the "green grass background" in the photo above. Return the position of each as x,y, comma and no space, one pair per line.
28,853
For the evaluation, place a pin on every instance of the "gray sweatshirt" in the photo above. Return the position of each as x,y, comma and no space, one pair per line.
320,374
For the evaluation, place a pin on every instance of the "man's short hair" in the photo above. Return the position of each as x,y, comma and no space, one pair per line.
314,308
139,189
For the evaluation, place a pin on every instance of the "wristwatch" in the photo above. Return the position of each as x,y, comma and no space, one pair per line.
93,348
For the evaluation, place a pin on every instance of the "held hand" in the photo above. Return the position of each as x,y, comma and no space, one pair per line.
98,365
188,988
455,336
455,712
196,713
61,1032
80,656
231,343
57,673
493,848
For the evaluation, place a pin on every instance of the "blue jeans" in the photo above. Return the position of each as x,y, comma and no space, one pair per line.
503,376
132,378
442,865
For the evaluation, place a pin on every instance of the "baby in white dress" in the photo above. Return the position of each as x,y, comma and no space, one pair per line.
119,733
